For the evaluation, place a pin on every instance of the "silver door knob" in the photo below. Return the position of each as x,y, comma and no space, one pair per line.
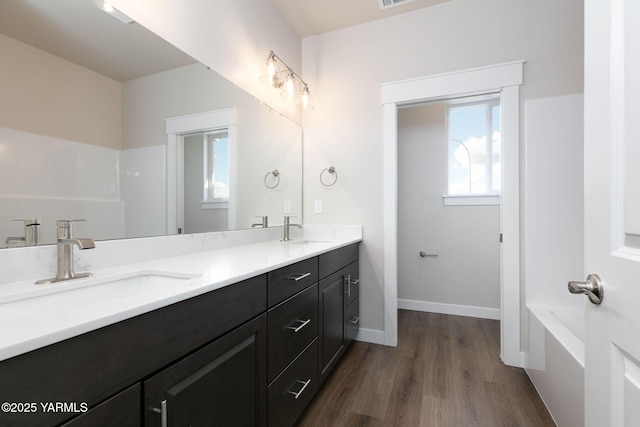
592,287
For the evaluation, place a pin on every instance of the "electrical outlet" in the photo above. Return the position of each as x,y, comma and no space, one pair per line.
317,206
287,206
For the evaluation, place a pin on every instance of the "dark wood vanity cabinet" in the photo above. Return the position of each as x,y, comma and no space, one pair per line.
250,354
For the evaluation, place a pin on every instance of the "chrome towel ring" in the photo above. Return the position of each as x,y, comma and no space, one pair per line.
328,182
276,178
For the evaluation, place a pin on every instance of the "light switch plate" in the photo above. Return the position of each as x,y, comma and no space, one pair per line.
287,206
317,206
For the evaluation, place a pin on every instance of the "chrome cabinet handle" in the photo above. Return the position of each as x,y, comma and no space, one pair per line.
592,287
303,324
299,276
349,283
163,413
304,385
354,320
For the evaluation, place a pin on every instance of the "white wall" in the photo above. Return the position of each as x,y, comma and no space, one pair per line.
347,66
47,95
554,199
464,278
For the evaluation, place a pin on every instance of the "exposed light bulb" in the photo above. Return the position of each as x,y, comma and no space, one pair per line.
107,7
290,87
305,102
271,70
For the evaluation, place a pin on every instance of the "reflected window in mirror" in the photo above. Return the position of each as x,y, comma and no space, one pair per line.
216,170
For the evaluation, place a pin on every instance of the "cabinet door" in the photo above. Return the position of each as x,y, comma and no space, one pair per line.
123,409
331,322
222,384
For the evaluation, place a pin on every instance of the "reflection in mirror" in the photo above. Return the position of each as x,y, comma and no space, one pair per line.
83,137
206,182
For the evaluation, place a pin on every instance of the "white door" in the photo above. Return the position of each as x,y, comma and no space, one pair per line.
612,210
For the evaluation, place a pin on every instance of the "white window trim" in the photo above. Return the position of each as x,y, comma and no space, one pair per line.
206,204
471,199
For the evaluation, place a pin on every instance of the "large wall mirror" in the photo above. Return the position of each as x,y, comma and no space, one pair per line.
87,104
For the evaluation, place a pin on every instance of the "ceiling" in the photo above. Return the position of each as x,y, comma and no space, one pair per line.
310,17
78,31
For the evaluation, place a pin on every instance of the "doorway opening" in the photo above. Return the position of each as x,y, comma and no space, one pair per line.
449,179
504,79
208,130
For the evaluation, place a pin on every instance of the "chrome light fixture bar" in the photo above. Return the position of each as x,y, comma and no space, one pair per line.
281,76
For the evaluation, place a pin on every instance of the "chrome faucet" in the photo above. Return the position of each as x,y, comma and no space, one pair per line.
287,224
65,244
31,234
263,224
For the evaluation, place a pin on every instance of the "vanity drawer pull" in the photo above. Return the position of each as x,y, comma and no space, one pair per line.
304,385
349,283
298,276
354,320
302,325
163,413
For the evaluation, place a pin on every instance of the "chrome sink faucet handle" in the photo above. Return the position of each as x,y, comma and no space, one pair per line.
264,223
288,224
31,234
65,244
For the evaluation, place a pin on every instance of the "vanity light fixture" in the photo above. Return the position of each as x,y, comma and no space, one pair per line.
280,76
108,8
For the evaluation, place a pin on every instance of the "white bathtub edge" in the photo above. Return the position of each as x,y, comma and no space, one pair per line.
573,345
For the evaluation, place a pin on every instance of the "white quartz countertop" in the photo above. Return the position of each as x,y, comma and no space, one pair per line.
29,320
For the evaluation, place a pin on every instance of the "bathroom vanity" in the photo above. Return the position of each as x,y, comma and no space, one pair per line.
250,351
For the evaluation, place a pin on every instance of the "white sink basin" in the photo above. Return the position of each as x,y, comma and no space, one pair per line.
89,290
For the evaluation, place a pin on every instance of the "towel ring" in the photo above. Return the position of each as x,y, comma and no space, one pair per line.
331,171
276,176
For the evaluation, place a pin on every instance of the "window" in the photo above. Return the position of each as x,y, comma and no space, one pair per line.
474,147
216,168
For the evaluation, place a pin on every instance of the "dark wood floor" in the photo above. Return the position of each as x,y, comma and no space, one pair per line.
446,371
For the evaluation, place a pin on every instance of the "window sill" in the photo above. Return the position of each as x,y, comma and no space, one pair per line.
471,200
214,205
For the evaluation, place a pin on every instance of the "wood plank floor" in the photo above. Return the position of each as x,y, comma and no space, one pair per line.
445,371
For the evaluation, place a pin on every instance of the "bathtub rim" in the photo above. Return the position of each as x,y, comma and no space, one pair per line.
553,325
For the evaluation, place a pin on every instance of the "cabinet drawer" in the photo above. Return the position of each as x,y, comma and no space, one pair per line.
292,325
292,391
333,261
352,322
352,282
287,281
123,409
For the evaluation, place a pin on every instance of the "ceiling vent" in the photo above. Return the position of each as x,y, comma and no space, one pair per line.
384,4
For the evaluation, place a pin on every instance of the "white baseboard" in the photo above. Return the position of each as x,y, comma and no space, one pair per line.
372,336
458,310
